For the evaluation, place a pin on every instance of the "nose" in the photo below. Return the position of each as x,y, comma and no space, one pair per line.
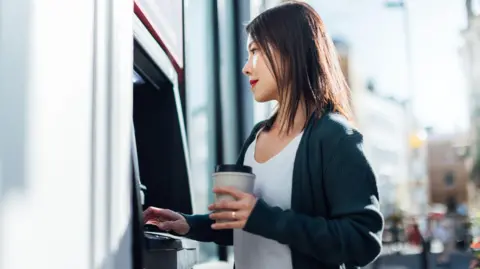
247,69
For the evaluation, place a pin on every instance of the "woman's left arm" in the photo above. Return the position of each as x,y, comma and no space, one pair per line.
352,233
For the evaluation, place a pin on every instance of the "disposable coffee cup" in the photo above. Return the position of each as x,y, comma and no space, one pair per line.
239,177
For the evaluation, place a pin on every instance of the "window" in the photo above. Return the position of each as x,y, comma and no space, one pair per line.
449,179
476,7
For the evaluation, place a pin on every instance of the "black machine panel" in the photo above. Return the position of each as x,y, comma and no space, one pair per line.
159,167
161,156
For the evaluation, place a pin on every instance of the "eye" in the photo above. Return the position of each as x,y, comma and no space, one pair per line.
253,51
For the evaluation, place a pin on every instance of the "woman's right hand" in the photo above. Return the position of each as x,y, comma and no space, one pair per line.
166,220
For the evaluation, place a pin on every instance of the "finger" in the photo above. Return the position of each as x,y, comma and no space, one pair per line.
239,224
166,214
227,215
152,222
164,226
148,213
231,191
160,214
226,205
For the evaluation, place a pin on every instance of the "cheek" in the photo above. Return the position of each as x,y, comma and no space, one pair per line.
267,86
271,89
268,80
255,62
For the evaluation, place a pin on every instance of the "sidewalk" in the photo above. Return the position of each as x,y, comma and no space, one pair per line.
408,249
409,256
413,261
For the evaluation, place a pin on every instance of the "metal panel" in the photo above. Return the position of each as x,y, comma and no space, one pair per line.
166,17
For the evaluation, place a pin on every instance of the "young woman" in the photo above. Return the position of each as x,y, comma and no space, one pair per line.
316,200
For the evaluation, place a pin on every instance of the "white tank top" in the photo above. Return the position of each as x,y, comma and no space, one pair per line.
273,183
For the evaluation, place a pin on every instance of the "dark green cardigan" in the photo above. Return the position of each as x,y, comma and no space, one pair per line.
334,221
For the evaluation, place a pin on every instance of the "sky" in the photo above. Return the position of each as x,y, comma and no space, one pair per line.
378,51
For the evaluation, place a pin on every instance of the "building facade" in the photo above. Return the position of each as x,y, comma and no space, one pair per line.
382,122
448,175
470,53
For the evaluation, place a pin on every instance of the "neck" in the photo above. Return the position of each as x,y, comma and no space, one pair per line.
299,121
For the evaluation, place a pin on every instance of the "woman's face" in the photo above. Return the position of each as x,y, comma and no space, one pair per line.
262,81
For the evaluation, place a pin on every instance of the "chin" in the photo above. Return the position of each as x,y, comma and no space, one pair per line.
262,98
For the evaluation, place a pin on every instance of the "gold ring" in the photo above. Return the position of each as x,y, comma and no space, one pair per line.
234,215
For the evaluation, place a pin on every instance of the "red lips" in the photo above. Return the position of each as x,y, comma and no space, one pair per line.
253,82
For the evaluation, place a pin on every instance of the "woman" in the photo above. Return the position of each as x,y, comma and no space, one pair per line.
316,200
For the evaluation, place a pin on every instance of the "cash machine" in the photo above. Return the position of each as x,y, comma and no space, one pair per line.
159,155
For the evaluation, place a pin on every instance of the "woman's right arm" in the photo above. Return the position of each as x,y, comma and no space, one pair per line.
201,230
195,227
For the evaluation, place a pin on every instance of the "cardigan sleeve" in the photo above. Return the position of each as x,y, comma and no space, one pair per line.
200,230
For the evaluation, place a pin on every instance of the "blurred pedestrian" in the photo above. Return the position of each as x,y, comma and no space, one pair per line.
475,248
446,235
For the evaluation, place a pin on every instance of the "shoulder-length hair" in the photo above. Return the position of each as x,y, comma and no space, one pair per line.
303,60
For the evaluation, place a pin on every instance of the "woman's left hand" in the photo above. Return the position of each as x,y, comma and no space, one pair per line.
234,213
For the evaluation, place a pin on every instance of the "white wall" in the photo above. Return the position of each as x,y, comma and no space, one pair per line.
64,178
385,129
